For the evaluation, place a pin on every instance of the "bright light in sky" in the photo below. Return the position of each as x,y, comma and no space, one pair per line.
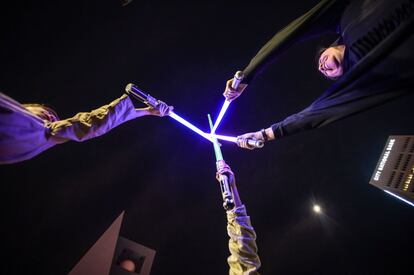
317,209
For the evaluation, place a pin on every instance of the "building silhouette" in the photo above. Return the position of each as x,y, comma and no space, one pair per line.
395,168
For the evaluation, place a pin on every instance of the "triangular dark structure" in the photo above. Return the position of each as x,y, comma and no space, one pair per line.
104,257
98,260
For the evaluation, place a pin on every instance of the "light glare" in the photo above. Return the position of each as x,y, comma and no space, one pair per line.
317,209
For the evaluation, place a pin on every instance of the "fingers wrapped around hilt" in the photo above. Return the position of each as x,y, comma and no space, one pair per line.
163,108
224,169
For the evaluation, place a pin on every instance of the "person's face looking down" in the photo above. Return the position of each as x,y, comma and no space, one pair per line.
331,62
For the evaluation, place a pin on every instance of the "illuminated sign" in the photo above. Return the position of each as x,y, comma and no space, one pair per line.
384,159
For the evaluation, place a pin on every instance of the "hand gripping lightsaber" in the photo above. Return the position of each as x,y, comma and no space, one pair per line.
228,202
251,142
238,77
137,93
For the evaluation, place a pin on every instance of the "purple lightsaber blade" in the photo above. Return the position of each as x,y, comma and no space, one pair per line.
237,79
223,110
226,138
189,125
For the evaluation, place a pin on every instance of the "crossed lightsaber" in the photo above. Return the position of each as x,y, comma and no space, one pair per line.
227,194
147,99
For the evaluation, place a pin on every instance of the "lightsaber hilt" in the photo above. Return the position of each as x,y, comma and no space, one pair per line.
137,93
228,202
256,143
250,143
226,193
237,79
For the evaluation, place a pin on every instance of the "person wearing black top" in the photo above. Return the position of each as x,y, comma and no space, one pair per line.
374,38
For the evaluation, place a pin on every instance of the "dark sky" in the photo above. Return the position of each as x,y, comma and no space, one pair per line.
79,55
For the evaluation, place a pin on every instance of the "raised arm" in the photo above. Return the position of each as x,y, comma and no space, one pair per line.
370,83
87,125
322,19
242,243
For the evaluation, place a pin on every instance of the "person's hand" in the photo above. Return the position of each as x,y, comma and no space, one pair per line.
161,110
242,140
224,169
263,135
231,94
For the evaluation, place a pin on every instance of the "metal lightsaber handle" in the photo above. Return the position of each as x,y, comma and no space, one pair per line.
228,202
237,79
255,143
133,90
226,192
251,142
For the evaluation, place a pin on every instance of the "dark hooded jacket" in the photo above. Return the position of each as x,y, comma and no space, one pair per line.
378,39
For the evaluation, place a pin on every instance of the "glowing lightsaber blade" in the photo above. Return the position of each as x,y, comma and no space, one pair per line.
226,138
223,110
134,91
238,77
189,125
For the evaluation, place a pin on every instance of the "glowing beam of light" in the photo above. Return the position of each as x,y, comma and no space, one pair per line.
190,126
223,110
226,138
398,197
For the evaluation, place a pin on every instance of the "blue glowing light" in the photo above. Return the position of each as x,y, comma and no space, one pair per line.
227,138
189,125
398,197
223,110
207,136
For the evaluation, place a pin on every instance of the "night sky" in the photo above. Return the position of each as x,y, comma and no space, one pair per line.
80,55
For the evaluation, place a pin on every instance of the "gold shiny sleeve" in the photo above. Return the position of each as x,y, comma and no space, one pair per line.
242,244
87,125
